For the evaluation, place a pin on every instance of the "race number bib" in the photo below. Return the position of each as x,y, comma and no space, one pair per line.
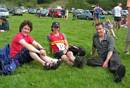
60,46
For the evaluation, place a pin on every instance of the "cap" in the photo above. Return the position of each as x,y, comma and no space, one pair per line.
55,24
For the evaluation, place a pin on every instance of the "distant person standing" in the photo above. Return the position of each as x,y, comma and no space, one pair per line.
97,12
52,13
128,33
63,13
109,26
66,13
74,13
117,15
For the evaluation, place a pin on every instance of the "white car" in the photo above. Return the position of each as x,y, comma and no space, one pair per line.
124,12
4,12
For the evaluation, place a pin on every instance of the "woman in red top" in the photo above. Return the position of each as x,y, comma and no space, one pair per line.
24,49
24,41
59,45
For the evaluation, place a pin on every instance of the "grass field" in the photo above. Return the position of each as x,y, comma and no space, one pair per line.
78,32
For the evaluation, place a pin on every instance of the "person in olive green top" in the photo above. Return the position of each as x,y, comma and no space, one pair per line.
103,42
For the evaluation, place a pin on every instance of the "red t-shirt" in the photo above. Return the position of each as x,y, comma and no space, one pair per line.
15,46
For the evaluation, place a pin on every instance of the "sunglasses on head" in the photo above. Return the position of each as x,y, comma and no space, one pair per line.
55,26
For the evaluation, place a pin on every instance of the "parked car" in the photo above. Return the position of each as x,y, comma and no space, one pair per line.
43,12
32,10
55,13
124,12
4,25
77,11
72,10
17,11
86,14
4,12
23,9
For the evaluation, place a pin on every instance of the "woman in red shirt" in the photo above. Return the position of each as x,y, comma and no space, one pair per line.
24,49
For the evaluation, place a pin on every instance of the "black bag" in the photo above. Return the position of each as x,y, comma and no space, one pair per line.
77,50
79,61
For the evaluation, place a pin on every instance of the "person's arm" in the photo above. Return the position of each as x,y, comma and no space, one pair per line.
66,43
49,43
128,3
29,46
105,64
39,47
101,10
128,7
93,52
66,46
110,53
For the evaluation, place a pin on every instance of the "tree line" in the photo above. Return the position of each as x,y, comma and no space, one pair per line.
106,4
84,4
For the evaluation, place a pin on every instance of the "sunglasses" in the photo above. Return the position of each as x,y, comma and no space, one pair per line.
56,27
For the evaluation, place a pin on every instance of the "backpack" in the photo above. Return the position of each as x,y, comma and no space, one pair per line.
6,64
4,54
77,50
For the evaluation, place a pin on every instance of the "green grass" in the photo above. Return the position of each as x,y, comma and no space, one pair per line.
78,32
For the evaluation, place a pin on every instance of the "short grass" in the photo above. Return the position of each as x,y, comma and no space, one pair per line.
78,32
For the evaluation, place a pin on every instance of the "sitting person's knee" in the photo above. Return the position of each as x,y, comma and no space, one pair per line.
63,57
69,53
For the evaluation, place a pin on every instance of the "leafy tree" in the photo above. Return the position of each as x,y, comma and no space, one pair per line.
93,1
85,4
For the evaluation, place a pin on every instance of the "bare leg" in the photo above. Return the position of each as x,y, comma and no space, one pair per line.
65,58
115,25
48,59
37,58
118,25
70,56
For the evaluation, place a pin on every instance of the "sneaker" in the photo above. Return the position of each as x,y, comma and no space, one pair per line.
55,66
120,73
78,62
47,66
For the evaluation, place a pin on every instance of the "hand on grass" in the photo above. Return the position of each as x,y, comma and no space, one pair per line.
105,64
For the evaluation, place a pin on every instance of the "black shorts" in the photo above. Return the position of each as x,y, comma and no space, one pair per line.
59,54
117,19
23,56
